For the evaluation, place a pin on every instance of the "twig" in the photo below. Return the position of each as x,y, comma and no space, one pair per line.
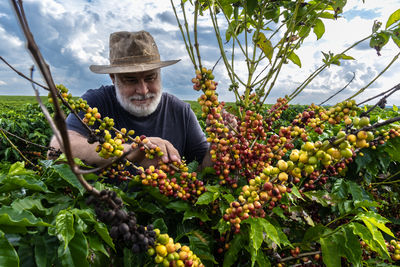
354,75
24,140
395,88
46,112
59,116
22,75
301,255
16,148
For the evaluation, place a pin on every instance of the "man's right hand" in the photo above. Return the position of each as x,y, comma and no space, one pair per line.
170,153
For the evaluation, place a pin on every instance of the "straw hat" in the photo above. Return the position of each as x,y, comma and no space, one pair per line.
132,52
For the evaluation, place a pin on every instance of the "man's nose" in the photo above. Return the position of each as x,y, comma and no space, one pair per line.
141,87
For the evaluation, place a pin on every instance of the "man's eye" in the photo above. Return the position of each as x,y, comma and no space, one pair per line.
150,79
128,80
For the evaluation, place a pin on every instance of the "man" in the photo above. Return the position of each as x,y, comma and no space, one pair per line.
136,102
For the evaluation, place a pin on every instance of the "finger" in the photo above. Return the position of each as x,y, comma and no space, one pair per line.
173,153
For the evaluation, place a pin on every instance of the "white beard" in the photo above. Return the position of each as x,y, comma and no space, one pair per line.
141,110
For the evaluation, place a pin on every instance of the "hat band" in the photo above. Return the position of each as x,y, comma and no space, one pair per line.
135,60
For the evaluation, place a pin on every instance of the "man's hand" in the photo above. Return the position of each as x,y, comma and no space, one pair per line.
169,151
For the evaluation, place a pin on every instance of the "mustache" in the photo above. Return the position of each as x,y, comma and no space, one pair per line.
142,97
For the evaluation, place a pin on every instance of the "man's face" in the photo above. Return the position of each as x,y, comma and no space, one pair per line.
139,93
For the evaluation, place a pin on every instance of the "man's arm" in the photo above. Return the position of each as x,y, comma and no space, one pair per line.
87,152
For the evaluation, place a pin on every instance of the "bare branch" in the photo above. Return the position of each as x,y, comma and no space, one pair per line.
354,75
23,75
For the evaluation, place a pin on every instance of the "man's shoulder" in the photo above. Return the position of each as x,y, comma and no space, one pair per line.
104,90
173,101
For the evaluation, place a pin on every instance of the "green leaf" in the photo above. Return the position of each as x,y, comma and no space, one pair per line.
179,206
355,190
346,57
264,44
201,244
377,220
377,236
256,233
65,227
322,197
351,246
262,260
18,178
222,226
65,173
206,198
394,17
296,192
8,255
26,256
192,166
160,224
279,211
45,250
368,238
330,254
395,108
31,204
259,228
231,255
294,58
190,214
228,197
18,168
319,28
340,189
13,217
251,6
314,233
76,253
96,244
102,230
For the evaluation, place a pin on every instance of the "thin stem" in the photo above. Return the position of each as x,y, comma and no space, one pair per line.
196,43
321,68
16,148
373,80
354,75
189,49
22,75
393,89
385,181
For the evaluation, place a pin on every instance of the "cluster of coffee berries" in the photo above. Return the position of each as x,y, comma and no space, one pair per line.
394,249
112,147
124,230
91,115
168,253
181,184
274,113
311,118
340,112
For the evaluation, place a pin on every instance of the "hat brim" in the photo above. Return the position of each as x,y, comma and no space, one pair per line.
108,69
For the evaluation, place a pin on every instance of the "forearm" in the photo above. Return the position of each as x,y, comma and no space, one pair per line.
81,149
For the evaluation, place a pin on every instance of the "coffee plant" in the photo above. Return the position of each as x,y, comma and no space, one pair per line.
287,185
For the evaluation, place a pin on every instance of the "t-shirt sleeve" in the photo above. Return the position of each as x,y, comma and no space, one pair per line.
196,143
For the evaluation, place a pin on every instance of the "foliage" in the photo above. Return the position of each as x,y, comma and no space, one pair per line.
288,185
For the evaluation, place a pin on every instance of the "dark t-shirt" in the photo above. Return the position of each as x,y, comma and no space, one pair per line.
173,120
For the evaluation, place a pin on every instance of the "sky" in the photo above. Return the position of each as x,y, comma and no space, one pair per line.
74,34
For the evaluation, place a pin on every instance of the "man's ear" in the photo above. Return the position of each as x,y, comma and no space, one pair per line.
112,76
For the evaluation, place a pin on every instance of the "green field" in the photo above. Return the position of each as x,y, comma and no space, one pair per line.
19,100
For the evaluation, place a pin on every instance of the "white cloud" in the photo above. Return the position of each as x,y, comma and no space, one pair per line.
74,34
